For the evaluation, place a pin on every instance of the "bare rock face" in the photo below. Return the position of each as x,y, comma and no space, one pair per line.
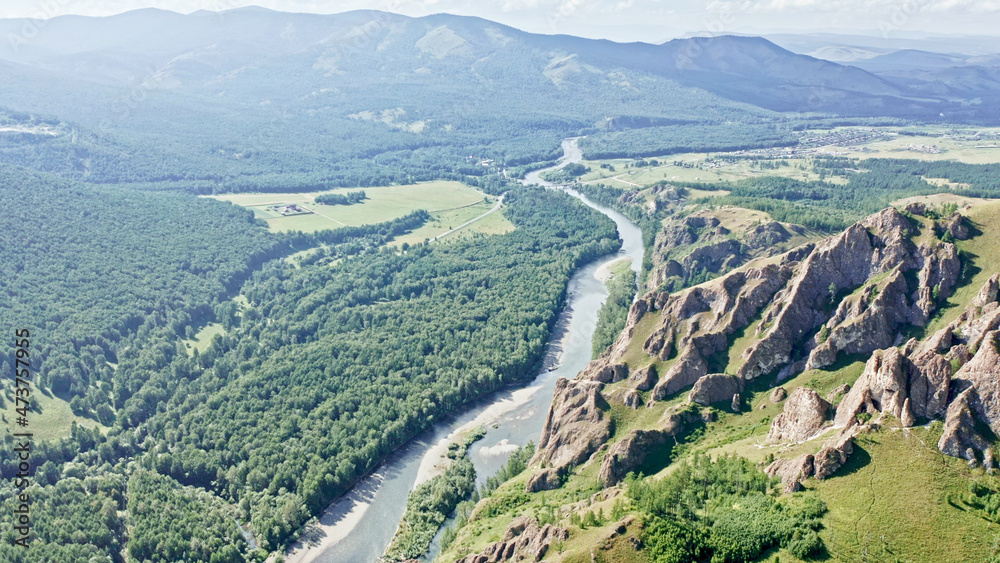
545,480
629,454
866,322
576,424
791,471
715,388
834,454
644,378
916,208
803,416
980,379
958,227
697,322
610,373
892,383
524,540
960,428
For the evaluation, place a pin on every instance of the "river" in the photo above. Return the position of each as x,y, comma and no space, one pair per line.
358,527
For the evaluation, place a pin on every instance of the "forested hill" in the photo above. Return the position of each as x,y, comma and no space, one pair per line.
256,99
88,265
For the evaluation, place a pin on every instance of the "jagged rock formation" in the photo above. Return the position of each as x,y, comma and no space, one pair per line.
979,400
915,381
576,424
715,388
822,465
629,454
851,293
688,246
862,323
905,388
698,322
524,540
803,416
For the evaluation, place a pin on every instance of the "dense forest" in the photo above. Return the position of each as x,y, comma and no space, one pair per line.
83,265
326,372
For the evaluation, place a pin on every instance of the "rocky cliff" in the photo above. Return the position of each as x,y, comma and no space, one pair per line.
851,293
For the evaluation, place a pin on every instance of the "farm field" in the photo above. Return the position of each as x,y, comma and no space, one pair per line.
382,204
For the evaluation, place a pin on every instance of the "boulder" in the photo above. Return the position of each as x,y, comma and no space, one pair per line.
715,388
778,394
916,208
803,416
629,454
737,403
834,454
791,471
686,370
576,424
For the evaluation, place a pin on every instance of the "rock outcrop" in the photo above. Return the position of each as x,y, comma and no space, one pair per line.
778,394
893,383
834,454
803,416
978,401
631,399
715,388
914,382
864,321
791,471
545,480
644,379
524,540
576,424
629,454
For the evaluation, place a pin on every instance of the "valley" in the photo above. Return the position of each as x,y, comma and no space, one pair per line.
372,287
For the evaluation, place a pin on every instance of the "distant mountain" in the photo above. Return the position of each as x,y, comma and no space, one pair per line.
209,96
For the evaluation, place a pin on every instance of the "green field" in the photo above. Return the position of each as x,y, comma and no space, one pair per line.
204,337
383,204
54,422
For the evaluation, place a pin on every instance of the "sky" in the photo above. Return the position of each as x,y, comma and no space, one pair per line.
619,20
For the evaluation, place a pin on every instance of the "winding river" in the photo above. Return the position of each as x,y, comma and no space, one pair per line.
358,526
